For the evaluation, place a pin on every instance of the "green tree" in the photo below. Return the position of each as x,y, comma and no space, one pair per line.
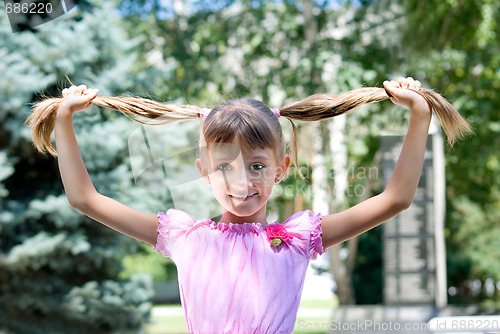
457,51
59,269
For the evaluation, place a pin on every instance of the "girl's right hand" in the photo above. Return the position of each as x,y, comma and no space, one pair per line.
77,98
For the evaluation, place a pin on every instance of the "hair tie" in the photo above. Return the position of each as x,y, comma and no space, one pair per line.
204,113
276,111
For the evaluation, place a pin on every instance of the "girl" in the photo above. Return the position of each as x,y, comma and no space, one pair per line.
243,274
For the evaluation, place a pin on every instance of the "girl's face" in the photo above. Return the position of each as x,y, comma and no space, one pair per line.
242,181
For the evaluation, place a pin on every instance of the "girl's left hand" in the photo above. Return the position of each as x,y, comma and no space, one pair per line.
404,92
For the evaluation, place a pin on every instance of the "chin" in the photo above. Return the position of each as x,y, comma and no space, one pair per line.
242,211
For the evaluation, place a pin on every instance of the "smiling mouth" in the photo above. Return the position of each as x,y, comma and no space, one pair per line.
242,198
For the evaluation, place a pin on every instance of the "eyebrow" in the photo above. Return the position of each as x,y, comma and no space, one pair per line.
222,156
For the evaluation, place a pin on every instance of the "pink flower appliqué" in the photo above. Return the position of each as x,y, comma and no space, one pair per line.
277,233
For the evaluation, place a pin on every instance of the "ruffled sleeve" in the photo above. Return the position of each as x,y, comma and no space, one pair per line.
316,241
171,226
307,228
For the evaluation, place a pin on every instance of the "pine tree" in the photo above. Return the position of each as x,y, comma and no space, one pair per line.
58,268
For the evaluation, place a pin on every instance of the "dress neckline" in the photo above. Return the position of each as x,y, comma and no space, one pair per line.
238,227
245,223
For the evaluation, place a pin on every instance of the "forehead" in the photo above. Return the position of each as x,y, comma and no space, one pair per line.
231,151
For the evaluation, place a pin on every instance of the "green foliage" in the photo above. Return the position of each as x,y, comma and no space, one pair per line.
110,304
161,269
58,269
457,52
56,263
367,278
482,249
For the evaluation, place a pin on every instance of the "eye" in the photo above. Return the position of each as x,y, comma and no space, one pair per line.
257,166
224,167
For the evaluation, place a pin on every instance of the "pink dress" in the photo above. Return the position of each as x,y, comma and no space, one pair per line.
232,279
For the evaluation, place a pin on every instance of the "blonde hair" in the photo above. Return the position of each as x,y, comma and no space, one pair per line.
250,120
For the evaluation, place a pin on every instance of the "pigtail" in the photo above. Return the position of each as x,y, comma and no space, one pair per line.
43,118
323,106
454,125
42,121
294,149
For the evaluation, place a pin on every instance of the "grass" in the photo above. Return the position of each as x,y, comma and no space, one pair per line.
167,325
311,326
319,303
314,325
304,325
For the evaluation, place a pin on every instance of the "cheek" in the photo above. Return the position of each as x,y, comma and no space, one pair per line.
219,190
264,175
222,183
218,181
266,185
267,180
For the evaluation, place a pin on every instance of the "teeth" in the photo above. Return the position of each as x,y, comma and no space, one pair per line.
242,198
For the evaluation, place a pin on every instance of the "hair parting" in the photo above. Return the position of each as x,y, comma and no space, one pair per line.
314,108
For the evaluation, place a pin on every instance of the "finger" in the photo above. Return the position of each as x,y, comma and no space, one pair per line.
395,83
415,84
404,83
400,81
389,87
386,83
92,93
72,90
411,83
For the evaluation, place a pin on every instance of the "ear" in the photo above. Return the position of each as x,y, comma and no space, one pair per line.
203,170
283,167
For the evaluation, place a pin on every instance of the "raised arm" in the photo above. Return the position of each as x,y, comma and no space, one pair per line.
400,191
78,186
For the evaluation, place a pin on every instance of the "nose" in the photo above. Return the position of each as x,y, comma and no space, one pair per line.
243,178
240,181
